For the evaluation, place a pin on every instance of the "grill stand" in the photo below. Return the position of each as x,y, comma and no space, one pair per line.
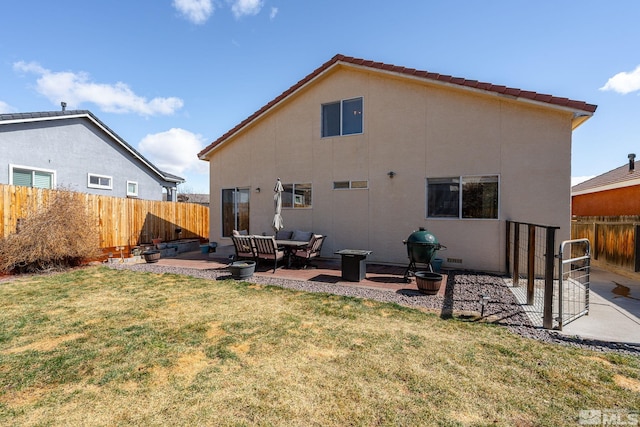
411,270
420,253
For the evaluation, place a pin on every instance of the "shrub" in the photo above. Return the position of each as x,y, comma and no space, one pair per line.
58,235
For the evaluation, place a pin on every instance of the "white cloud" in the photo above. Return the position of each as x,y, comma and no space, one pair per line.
274,12
624,82
575,180
175,151
6,108
246,7
196,11
29,67
199,11
76,88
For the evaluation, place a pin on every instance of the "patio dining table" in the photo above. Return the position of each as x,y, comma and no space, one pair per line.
290,246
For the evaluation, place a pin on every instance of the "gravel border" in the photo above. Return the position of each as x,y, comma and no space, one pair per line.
461,297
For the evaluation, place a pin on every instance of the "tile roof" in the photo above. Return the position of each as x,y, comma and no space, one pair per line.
409,72
618,177
44,115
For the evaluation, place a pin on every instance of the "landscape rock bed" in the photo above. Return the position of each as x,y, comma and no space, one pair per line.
462,296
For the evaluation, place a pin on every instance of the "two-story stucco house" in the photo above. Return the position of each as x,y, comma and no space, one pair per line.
75,150
369,152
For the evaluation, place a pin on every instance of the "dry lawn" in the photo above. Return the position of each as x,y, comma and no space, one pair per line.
102,347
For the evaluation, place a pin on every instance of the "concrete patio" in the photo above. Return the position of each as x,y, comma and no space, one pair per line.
381,277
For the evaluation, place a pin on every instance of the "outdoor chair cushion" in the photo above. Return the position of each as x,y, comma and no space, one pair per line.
303,236
284,235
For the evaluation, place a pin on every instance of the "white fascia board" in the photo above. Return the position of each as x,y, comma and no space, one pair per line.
613,186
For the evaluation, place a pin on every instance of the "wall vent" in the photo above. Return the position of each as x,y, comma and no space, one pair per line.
455,260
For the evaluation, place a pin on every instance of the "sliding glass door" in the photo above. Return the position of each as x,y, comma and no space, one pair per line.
235,210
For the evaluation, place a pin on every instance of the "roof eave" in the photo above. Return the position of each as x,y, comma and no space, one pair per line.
579,119
612,186
579,115
104,128
581,111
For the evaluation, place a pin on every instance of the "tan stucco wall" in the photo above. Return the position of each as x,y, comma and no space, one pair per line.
417,130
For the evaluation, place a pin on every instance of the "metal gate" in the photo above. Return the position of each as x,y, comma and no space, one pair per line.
573,284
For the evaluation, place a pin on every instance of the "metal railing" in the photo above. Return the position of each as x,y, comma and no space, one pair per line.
573,280
530,259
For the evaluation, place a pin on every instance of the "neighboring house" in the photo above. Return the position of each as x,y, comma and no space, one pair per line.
614,193
200,199
75,150
369,152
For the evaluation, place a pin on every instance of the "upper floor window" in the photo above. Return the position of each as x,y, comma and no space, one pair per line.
342,117
132,189
31,177
100,181
296,196
463,197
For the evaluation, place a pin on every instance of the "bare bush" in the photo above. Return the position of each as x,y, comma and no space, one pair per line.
59,235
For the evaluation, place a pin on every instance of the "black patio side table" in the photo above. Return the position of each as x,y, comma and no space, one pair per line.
354,268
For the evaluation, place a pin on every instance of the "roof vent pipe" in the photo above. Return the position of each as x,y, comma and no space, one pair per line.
632,164
63,105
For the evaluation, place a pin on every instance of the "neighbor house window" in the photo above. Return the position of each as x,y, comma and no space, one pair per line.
31,177
342,117
100,181
296,196
463,197
132,189
350,185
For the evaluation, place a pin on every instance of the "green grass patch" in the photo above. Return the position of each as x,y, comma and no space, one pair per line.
105,347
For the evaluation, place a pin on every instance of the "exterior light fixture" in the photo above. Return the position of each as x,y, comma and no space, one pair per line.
391,174
257,189
484,300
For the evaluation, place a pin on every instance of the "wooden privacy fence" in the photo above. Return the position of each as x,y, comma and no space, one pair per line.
121,222
614,240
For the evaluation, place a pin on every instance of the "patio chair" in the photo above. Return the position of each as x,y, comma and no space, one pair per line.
267,249
244,247
312,250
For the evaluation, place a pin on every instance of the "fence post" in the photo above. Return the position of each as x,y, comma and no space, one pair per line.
507,252
636,248
547,318
531,264
516,254
595,240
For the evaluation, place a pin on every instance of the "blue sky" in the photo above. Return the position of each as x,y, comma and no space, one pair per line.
171,76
